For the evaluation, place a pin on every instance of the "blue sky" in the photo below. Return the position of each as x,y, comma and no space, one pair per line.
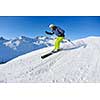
75,26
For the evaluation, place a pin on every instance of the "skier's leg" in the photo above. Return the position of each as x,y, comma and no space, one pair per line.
57,43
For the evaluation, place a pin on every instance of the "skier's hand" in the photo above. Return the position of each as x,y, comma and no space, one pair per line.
49,33
46,32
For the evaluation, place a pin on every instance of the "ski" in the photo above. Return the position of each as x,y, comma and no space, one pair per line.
48,54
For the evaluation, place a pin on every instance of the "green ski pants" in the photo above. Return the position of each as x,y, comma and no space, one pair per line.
57,42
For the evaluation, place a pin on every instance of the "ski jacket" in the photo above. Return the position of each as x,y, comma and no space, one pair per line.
58,32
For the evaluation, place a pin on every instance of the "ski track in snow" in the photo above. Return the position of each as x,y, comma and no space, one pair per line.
46,65
41,68
71,65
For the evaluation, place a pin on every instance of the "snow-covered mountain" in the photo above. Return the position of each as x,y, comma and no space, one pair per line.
78,62
10,49
2,40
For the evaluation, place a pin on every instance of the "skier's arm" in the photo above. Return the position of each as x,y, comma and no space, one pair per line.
50,33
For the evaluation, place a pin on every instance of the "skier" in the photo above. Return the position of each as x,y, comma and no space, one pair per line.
60,36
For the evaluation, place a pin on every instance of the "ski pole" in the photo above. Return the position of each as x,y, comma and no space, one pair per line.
70,41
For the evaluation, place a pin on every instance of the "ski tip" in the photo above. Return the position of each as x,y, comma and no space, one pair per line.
42,57
46,55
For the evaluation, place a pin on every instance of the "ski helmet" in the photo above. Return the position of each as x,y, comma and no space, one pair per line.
51,25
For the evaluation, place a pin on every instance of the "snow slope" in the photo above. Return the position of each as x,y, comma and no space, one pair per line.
76,63
10,49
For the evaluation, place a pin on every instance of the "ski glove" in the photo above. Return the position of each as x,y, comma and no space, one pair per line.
49,33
